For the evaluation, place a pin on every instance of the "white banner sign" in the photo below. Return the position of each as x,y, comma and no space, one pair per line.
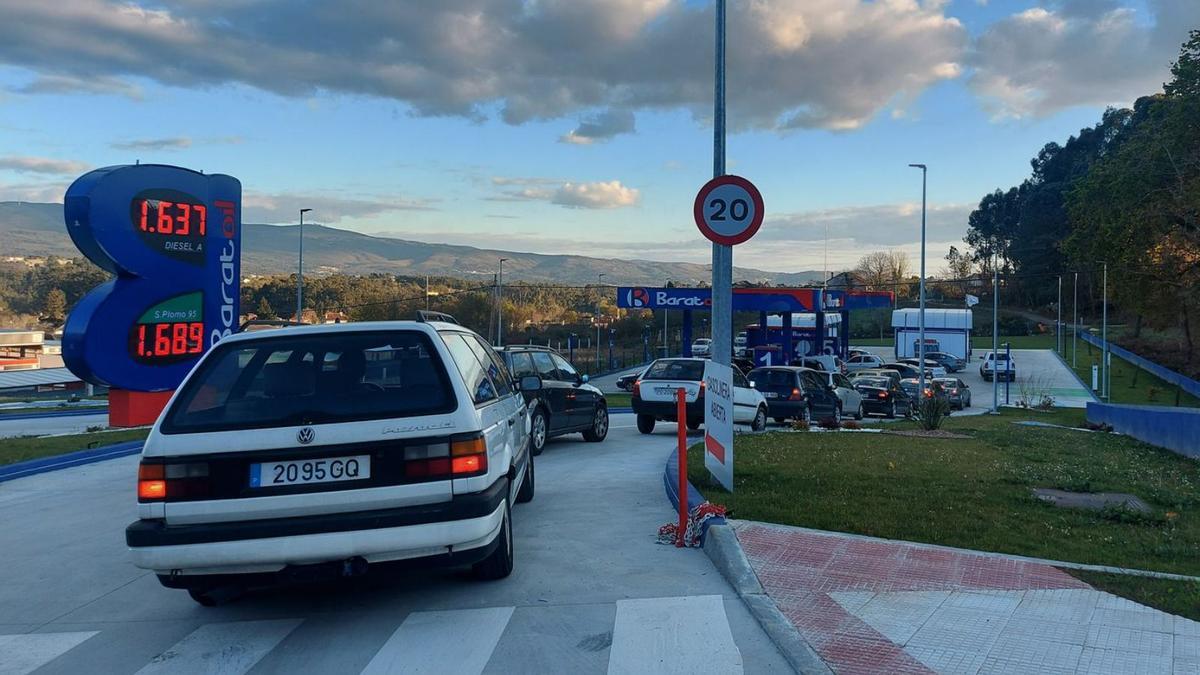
718,422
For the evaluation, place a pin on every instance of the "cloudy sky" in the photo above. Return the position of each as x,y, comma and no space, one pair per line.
580,126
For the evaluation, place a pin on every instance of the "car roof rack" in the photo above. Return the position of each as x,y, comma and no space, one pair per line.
425,316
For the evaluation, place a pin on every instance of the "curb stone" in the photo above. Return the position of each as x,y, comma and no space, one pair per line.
721,545
65,461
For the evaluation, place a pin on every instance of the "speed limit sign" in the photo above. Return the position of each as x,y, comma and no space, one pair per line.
728,210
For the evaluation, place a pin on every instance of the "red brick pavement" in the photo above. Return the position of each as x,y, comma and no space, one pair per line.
799,569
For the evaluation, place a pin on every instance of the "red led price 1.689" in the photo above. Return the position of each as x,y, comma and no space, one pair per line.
156,342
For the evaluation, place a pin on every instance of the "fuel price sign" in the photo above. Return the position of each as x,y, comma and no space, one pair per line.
172,239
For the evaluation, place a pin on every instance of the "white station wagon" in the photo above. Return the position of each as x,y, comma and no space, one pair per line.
312,452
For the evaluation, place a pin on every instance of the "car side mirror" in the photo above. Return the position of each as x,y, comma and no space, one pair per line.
753,384
531,383
582,379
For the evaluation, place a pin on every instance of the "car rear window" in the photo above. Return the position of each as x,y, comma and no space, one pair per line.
692,371
312,379
872,382
773,378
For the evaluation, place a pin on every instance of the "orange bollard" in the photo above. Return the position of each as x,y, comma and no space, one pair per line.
681,416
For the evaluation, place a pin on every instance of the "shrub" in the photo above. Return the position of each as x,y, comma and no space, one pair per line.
799,425
851,424
931,412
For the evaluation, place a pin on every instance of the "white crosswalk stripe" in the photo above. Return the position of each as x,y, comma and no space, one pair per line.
20,654
458,641
673,635
222,648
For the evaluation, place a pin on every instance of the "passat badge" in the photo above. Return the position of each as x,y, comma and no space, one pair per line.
306,435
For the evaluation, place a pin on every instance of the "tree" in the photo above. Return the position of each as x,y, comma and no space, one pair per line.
55,304
884,271
264,310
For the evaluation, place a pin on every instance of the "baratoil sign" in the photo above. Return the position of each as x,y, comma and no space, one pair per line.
172,238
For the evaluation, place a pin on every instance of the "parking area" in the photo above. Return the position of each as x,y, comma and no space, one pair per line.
1039,371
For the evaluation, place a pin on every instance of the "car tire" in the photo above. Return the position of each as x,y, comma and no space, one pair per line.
862,412
539,431
645,424
694,424
760,420
891,413
599,429
499,564
203,596
806,416
837,414
525,494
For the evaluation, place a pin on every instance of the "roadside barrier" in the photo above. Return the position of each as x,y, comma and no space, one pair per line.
1176,429
1161,372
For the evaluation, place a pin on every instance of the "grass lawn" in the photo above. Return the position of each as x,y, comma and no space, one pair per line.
1129,384
1175,597
974,493
21,449
619,400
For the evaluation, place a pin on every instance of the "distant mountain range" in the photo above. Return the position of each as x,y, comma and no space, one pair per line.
28,229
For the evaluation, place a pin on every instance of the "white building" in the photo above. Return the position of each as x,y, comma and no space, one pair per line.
946,330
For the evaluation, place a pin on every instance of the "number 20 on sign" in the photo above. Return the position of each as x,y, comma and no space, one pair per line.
728,210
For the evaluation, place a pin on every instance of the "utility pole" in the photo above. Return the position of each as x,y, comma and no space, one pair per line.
722,255
499,305
426,292
300,270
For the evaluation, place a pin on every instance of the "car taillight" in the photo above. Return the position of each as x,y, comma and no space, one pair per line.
468,457
161,482
796,394
637,388
460,458
928,393
953,391
883,394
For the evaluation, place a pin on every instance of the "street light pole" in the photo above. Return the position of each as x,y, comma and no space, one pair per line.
499,305
1104,336
300,269
1075,321
600,282
921,312
722,254
995,335
1058,327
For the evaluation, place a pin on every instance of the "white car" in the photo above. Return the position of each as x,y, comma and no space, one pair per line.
1004,366
863,362
702,347
851,398
316,451
654,396
932,367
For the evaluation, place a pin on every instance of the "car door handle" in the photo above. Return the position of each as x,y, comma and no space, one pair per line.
512,421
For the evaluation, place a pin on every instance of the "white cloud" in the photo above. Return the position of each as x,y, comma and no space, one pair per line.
1078,52
285,207
43,165
600,195
792,63
66,84
46,193
176,143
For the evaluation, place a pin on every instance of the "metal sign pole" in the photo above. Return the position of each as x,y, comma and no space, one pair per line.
1058,327
722,255
995,335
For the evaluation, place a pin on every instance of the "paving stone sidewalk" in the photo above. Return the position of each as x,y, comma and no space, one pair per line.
889,607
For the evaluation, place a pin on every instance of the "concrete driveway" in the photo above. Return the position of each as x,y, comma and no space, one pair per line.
591,593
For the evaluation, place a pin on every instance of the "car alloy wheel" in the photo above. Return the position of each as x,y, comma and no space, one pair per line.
599,426
760,420
837,415
862,412
537,432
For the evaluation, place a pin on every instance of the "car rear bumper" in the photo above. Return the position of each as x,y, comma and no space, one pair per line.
784,408
667,410
875,405
465,523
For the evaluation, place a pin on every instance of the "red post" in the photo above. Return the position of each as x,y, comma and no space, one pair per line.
681,415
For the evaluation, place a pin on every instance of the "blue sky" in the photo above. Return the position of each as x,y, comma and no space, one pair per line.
424,141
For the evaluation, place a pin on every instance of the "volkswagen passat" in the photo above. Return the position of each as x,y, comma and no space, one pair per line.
316,451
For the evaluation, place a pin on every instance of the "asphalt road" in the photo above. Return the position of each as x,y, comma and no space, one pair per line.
74,423
591,593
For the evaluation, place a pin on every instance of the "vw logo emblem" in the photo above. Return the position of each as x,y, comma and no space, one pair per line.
306,435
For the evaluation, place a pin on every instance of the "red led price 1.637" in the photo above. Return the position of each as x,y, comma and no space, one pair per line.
181,219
